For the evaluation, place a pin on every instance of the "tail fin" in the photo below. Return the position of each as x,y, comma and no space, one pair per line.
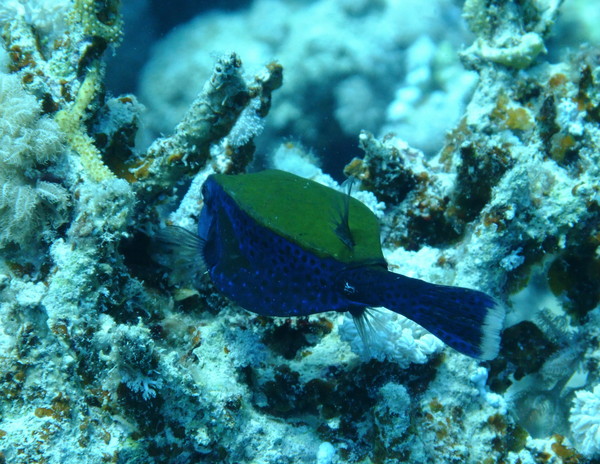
468,320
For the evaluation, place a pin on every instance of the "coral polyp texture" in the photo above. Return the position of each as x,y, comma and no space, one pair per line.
481,163
30,143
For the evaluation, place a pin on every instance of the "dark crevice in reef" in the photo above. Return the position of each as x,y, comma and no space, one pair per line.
347,395
477,174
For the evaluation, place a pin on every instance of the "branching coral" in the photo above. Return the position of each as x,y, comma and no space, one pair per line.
70,121
211,117
219,127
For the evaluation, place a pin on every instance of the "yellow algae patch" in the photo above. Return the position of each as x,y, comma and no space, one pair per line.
70,121
512,116
99,19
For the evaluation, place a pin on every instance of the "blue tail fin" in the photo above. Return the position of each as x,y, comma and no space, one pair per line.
467,320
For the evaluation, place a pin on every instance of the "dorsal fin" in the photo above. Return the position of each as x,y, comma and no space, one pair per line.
342,230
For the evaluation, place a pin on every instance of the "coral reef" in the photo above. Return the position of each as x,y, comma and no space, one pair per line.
336,85
106,356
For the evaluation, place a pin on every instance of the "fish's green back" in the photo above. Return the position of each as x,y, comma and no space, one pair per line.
306,213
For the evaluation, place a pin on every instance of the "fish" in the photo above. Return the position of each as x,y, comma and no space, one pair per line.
277,244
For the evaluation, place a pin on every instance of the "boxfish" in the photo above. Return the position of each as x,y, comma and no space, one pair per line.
278,244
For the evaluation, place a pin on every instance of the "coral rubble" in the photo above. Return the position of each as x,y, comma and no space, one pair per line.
106,356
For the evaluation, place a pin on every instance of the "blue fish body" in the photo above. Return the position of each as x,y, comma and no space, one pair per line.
280,245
